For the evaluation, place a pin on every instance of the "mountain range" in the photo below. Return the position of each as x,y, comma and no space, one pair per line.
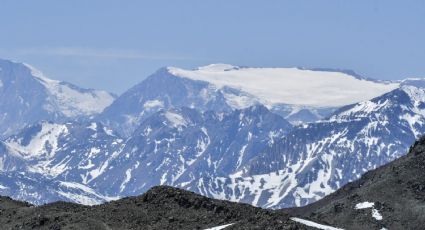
270,137
389,197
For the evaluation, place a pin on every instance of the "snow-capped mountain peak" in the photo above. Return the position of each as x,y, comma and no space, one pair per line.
72,100
27,97
290,85
298,95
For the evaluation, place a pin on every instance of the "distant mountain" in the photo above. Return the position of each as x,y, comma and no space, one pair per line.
27,96
47,162
315,159
170,147
390,197
38,189
180,146
249,155
298,95
56,150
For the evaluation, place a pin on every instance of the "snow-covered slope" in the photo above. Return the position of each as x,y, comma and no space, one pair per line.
26,97
72,100
316,159
37,189
180,146
290,85
170,147
71,151
46,162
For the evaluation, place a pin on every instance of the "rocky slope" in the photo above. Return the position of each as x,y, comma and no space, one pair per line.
390,197
159,208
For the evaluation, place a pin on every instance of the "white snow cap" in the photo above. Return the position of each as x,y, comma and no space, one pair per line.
70,100
290,85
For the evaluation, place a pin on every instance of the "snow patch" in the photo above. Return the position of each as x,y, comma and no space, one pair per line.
128,176
88,197
314,224
93,126
239,101
219,227
364,205
44,143
153,104
376,214
176,120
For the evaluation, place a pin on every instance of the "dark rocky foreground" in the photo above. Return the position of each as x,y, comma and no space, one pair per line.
396,189
160,208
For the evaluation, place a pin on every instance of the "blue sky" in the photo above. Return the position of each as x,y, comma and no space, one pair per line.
113,45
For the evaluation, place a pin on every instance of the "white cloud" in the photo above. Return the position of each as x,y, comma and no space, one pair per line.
95,53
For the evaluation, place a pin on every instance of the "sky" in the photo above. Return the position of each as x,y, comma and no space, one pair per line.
113,45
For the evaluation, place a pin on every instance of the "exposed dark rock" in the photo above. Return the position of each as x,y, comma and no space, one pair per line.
161,207
397,190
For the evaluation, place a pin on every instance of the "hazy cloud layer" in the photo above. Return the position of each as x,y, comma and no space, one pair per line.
94,53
